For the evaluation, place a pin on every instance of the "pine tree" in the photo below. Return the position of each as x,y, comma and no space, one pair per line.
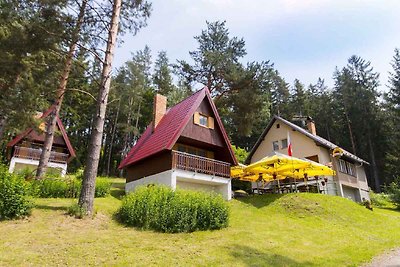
130,16
162,77
357,99
392,121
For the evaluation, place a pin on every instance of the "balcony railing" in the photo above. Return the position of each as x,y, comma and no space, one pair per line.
34,154
189,162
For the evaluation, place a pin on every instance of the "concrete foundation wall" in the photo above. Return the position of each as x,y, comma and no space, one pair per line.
18,164
186,180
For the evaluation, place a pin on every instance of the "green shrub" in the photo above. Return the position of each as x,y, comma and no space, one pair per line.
393,191
103,187
14,195
57,188
162,209
26,173
380,200
76,211
67,187
79,174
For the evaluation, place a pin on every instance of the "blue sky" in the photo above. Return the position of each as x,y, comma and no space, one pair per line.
304,39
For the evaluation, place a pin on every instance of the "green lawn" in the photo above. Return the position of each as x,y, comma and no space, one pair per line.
283,230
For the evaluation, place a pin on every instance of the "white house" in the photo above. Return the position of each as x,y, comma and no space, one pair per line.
350,180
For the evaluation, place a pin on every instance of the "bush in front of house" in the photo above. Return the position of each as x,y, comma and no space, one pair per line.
67,187
161,209
14,195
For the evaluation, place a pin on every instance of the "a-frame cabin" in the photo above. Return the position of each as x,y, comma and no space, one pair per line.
25,149
185,146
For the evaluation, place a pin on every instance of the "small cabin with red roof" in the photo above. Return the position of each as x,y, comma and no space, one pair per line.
185,147
25,149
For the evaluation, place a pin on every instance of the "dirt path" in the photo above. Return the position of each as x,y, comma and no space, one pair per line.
388,259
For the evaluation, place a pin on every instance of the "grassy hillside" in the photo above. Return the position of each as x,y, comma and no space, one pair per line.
274,230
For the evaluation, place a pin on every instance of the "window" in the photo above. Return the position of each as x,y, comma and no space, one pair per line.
350,169
203,120
342,166
278,125
194,150
347,167
275,145
284,143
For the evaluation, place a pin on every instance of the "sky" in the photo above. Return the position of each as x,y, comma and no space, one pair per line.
305,39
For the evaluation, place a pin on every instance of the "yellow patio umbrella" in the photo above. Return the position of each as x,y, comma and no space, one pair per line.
313,169
238,172
276,165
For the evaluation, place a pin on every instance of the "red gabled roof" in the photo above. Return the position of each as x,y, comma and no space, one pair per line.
19,137
170,128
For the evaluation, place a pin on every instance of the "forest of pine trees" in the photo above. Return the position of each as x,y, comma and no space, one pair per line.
355,113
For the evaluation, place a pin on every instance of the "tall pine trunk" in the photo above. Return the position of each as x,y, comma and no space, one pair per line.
112,139
375,175
348,122
3,122
52,119
92,162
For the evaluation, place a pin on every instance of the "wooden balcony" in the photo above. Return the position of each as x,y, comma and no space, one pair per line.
189,162
34,154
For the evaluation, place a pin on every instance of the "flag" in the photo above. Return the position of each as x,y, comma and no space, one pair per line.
289,147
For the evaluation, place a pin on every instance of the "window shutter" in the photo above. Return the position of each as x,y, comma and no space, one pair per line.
211,122
196,118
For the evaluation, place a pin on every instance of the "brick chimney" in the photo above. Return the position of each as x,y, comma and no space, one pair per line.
311,126
159,109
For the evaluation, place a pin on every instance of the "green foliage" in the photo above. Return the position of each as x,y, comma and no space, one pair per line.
392,121
76,211
26,173
14,199
162,209
380,200
393,191
240,153
103,187
67,187
58,188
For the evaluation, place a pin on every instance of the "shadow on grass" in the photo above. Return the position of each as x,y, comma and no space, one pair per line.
117,193
260,201
256,257
48,207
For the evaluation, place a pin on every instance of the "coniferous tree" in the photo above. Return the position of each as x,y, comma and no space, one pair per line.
131,16
357,104
392,121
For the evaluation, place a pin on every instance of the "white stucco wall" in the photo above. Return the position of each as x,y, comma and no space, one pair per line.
21,163
165,178
303,147
186,180
351,193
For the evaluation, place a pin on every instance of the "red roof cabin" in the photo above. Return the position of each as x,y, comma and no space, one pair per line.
25,149
185,147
